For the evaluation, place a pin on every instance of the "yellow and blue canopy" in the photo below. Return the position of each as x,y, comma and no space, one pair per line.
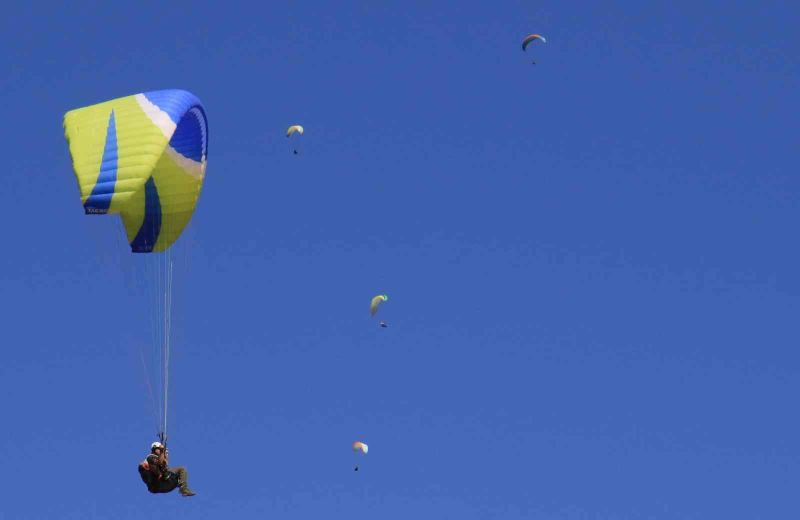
144,157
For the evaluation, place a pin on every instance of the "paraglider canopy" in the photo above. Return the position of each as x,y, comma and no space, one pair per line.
294,129
376,301
142,157
531,37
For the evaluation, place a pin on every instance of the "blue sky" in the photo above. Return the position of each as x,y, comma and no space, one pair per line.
591,262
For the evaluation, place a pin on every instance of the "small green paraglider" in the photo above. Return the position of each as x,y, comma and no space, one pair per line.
376,301
373,307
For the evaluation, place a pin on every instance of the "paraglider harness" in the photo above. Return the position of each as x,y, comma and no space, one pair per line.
166,480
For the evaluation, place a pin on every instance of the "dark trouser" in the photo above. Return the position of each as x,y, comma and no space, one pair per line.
175,477
182,476
146,475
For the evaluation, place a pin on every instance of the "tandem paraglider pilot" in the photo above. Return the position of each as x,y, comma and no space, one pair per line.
159,477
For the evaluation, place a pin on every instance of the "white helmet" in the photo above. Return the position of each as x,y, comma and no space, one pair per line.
156,445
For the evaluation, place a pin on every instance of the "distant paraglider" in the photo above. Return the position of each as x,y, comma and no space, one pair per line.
373,306
530,38
360,447
294,129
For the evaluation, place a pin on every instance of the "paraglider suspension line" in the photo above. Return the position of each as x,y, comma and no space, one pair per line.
167,333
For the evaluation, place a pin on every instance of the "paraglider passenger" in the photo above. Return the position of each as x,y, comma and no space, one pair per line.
159,477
